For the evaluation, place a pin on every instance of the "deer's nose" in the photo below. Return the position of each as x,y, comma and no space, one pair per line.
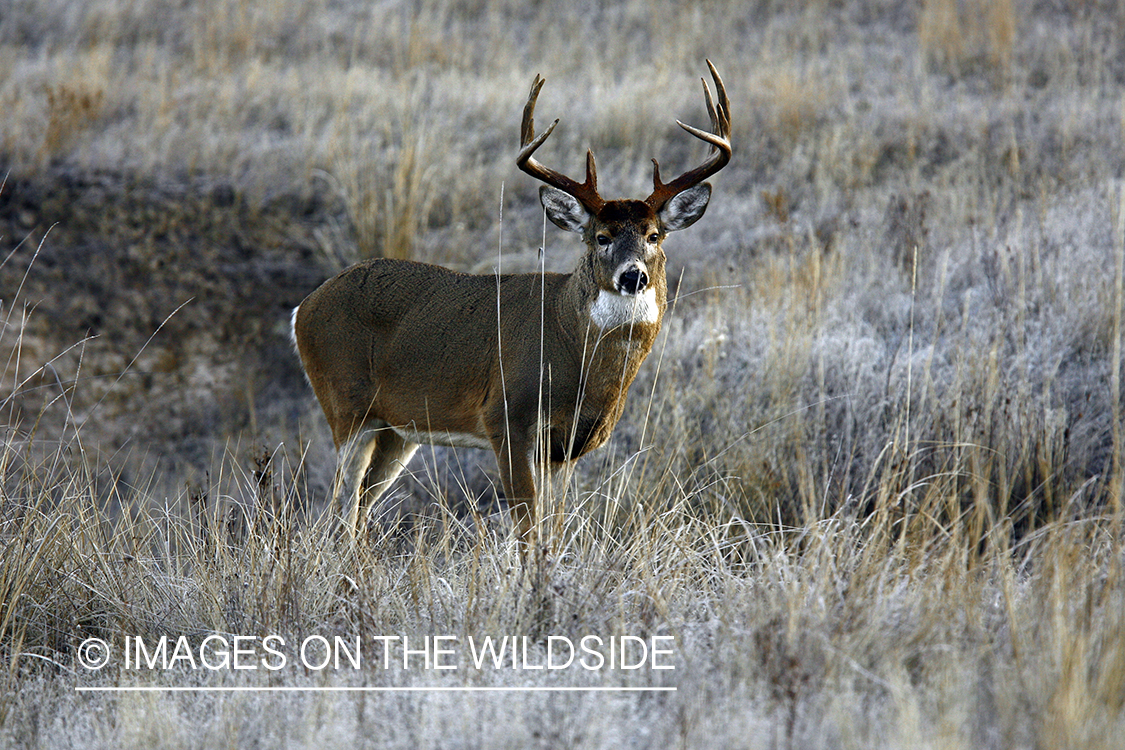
632,281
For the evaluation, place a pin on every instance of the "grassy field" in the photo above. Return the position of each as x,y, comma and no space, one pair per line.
867,491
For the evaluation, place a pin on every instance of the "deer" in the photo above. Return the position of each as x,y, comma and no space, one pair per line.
534,366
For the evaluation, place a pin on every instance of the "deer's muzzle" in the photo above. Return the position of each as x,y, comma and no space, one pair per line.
632,281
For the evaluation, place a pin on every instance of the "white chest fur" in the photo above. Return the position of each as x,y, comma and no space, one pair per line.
612,310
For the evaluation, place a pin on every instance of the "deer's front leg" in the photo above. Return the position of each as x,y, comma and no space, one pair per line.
514,459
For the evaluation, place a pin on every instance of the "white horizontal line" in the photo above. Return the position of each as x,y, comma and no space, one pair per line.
334,689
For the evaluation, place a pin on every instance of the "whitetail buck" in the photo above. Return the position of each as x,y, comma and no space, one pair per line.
533,366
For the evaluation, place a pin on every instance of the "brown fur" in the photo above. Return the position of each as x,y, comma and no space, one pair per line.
391,343
534,366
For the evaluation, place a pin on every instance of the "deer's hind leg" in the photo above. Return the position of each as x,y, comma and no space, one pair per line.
367,463
391,455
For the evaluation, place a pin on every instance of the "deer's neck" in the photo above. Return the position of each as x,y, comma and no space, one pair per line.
585,308
610,333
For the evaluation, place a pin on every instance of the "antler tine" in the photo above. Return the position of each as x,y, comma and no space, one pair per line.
719,141
586,192
527,126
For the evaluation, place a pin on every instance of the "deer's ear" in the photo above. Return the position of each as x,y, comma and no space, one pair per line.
566,211
686,208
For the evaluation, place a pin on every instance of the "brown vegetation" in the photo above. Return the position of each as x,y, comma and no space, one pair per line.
870,477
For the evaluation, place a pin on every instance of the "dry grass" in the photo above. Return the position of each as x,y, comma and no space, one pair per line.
954,34
870,479
889,629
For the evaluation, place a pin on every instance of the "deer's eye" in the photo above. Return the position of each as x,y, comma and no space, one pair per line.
604,240
654,238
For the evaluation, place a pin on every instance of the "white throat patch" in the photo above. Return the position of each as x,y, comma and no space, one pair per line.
612,310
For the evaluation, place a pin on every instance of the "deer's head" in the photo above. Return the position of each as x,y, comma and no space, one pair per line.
624,237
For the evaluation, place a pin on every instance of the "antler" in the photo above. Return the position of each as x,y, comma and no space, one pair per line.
716,160
586,192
